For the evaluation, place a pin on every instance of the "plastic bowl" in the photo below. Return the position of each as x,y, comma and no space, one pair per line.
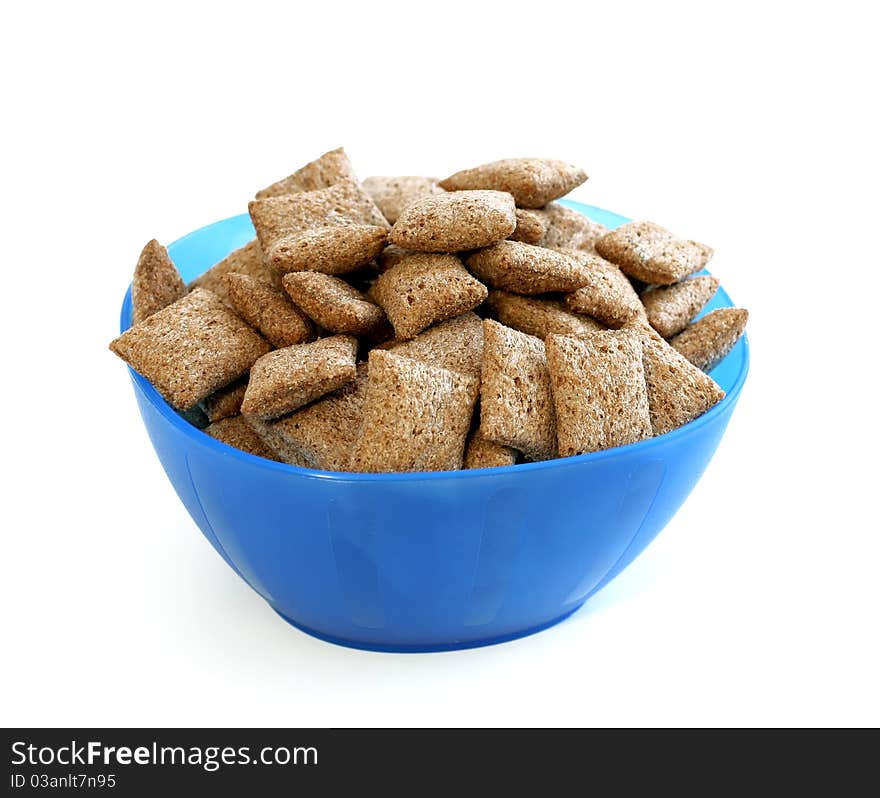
428,561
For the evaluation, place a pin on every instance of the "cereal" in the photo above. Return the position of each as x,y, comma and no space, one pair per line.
191,348
331,168
598,390
423,289
289,378
672,308
707,341
268,310
246,260
393,194
282,450
606,294
226,402
391,256
678,392
156,283
332,303
533,181
530,227
455,222
480,452
456,344
565,228
651,253
539,317
516,403
236,432
331,250
526,269
416,416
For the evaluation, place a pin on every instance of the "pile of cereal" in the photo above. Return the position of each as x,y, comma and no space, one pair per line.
411,324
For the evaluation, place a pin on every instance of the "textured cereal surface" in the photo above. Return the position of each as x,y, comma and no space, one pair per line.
268,310
423,289
530,227
282,450
678,392
533,182
226,402
707,341
338,249
393,194
289,378
333,304
565,228
391,256
606,294
599,390
246,260
670,309
527,269
191,348
323,433
236,432
416,416
651,253
455,222
539,317
456,344
516,402
156,282
480,452
331,168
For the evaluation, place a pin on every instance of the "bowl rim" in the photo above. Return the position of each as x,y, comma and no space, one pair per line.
200,437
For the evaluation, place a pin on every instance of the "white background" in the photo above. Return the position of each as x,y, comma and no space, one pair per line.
750,126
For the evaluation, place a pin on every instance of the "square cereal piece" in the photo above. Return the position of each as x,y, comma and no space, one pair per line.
480,452
530,228
527,269
331,168
707,341
516,402
191,348
565,228
333,304
393,194
283,452
606,294
652,254
268,310
678,392
246,260
289,378
323,433
416,416
332,250
156,283
423,289
672,308
540,317
236,432
533,181
226,402
455,344
599,390
454,222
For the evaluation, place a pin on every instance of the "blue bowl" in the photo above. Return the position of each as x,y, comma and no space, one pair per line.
429,561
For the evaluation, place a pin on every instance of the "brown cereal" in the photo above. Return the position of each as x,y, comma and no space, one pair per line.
416,416
423,289
606,295
598,390
191,348
331,250
268,310
455,344
480,452
289,378
672,308
530,227
527,269
393,194
568,229
678,392
707,341
533,181
331,168
226,402
236,432
332,303
245,260
282,450
391,256
516,403
651,253
455,222
156,283
539,317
